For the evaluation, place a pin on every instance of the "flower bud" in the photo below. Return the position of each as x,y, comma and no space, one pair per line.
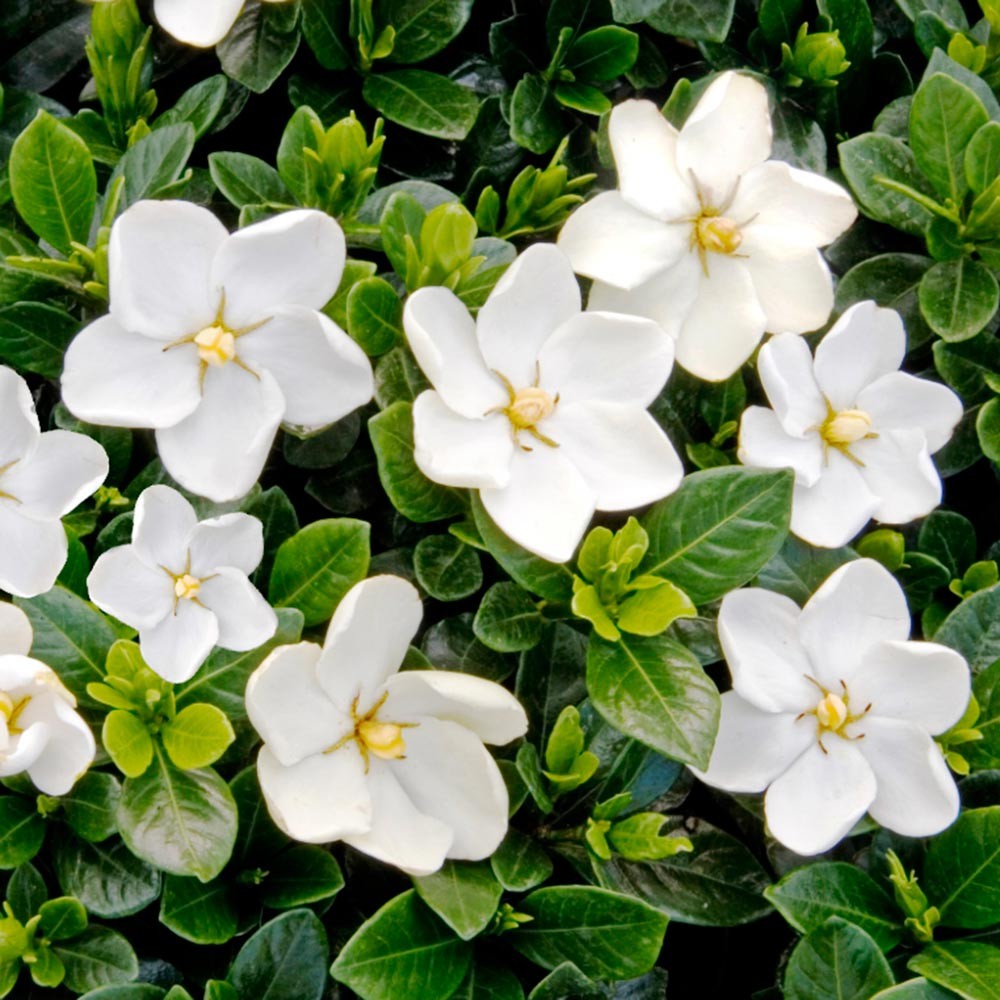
818,58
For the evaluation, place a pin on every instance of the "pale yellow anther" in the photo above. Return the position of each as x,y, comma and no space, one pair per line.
831,712
216,345
718,234
846,427
530,406
187,587
6,705
384,739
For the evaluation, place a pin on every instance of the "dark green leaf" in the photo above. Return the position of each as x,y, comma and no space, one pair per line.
424,102
837,961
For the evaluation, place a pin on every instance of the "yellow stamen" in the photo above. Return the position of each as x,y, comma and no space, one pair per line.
6,705
529,407
846,427
384,739
187,586
831,712
717,234
216,345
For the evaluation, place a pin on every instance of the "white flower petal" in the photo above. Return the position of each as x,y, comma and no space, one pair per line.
69,751
609,239
624,456
442,336
795,292
758,632
920,682
900,401
196,23
607,357
754,747
537,294
16,634
864,344
400,834
898,469
235,540
27,748
129,589
369,635
545,506
832,511
484,707
727,133
32,552
292,259
62,471
765,444
321,798
17,418
220,450
246,620
458,451
786,373
857,607
289,708
160,265
449,775
21,675
916,793
725,323
123,379
644,146
817,801
179,644
161,530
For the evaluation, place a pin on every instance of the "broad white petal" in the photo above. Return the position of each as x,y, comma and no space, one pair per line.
858,606
481,706
322,798
160,264
21,674
62,471
290,710
449,775
246,620
609,239
161,530
69,751
179,644
900,401
460,451
864,344
786,373
795,292
32,552
624,456
196,23
899,470
765,444
754,747
758,632
832,511
18,422
727,133
916,793
400,834
545,506
235,540
920,682
607,357
26,749
368,637
644,145
16,634
817,801
220,450
537,294
123,379
292,259
129,589
442,336
725,323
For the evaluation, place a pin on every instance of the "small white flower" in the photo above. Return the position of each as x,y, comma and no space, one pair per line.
183,583
43,476
858,432
539,406
391,763
39,730
215,339
705,234
833,710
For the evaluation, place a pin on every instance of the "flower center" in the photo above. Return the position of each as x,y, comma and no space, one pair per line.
846,427
216,345
831,712
717,233
529,407
186,587
384,739
11,710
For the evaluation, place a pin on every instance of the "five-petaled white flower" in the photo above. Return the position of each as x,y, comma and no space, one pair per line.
858,432
705,234
391,763
833,710
183,583
215,339
43,476
539,406
40,731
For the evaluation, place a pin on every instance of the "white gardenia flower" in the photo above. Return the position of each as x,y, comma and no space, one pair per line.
183,583
40,731
833,710
391,763
215,339
539,406
858,432
43,476
706,235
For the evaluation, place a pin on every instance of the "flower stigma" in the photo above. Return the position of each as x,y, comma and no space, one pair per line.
526,409
717,233
216,345
373,735
833,713
11,710
186,587
842,428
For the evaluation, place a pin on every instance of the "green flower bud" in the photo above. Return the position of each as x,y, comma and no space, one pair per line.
817,58
13,937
